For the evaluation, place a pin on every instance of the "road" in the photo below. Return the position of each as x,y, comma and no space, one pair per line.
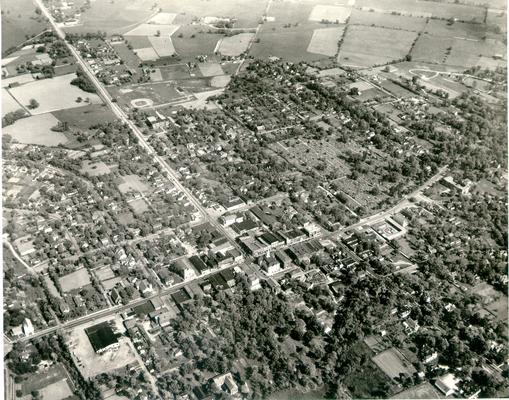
123,117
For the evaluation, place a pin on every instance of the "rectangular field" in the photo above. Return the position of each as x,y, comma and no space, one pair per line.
234,45
43,92
431,49
162,45
36,130
423,391
365,46
336,14
85,116
153,30
392,363
325,41
360,17
210,69
74,280
159,93
132,183
56,391
146,54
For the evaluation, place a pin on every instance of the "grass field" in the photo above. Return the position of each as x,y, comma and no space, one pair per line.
56,391
146,54
162,18
18,21
44,92
325,41
220,81
152,30
392,363
498,18
95,168
163,46
118,16
36,130
360,17
210,69
9,104
55,373
139,206
464,30
467,53
192,40
330,13
429,49
234,45
86,116
132,183
365,46
74,280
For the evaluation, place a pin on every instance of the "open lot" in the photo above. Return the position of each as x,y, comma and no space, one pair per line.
365,46
210,69
132,183
44,92
139,206
467,53
392,363
330,13
89,362
54,375
146,54
325,41
74,280
36,130
234,45
95,168
423,391
56,391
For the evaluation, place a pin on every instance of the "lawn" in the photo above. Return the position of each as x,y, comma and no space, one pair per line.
325,41
74,280
392,363
43,92
365,46
467,53
36,130
234,45
85,116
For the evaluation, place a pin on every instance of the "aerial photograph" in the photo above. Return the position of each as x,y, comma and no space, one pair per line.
254,199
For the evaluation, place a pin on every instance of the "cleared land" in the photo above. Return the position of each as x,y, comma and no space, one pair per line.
162,18
467,53
139,206
153,30
163,46
36,130
95,168
44,92
194,41
330,13
74,280
365,46
220,81
39,381
210,69
325,41
56,391
8,103
392,363
234,45
422,391
360,17
147,54
132,183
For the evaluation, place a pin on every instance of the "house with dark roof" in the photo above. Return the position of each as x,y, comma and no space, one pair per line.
199,265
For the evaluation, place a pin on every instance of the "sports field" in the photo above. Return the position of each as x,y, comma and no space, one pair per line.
325,41
36,130
74,280
55,377
44,92
365,46
158,93
139,206
392,363
330,13
234,45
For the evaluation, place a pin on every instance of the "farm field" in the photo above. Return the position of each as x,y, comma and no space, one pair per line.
43,91
175,72
36,130
365,46
210,69
463,30
234,45
336,14
152,30
220,81
162,18
74,280
18,21
8,103
89,362
497,18
20,79
392,363
361,17
429,49
146,54
325,41
192,40
113,17
467,53
163,46
425,9
85,116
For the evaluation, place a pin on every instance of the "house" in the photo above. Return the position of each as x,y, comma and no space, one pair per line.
449,183
145,287
157,121
410,326
184,270
233,203
78,301
447,384
115,296
229,277
17,331
163,316
225,383
165,277
64,307
28,328
230,219
430,358
157,303
311,229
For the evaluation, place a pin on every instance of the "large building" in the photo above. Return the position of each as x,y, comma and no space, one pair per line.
102,338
